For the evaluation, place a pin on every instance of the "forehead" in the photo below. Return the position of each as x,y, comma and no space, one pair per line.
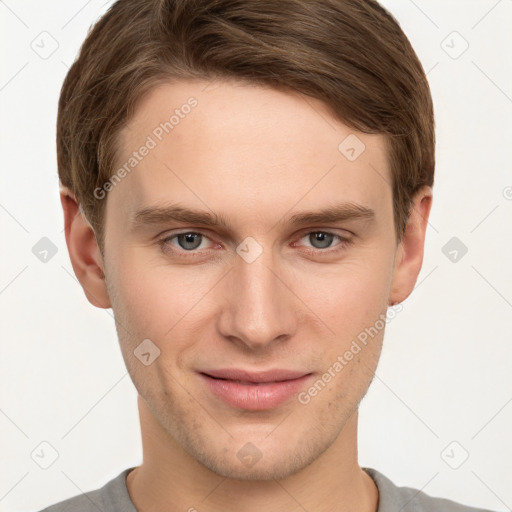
238,148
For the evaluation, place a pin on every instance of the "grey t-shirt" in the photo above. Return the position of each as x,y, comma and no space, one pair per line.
114,497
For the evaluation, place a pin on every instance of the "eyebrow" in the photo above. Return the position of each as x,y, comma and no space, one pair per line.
157,215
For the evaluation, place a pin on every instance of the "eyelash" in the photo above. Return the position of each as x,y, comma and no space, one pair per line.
165,245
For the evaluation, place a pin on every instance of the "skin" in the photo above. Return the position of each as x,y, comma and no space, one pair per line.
254,156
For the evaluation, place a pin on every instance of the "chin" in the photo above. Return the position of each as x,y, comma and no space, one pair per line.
275,461
273,468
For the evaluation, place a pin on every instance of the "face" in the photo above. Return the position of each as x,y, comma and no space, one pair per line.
251,250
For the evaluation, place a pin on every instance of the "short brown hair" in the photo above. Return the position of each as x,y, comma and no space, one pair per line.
350,54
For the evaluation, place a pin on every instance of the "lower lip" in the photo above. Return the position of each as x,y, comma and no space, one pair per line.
254,397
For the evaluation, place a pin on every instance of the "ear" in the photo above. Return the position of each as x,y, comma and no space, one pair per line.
84,252
409,254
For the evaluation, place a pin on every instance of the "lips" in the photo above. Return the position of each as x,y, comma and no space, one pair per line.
255,377
254,391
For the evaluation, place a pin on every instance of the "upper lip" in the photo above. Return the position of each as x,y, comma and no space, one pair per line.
275,375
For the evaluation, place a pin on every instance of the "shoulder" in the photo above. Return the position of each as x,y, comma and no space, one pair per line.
406,499
112,497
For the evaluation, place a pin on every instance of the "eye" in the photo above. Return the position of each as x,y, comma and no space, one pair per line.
322,241
188,241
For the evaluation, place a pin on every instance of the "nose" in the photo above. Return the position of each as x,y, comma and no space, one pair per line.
260,308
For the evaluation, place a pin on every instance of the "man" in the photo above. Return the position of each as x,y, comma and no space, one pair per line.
247,185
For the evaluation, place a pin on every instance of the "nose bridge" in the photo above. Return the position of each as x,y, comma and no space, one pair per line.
260,305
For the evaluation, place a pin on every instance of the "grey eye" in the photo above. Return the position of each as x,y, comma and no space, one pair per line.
189,241
321,240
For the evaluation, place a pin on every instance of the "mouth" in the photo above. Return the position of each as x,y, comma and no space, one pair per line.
254,391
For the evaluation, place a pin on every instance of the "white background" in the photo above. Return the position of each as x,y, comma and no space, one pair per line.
445,372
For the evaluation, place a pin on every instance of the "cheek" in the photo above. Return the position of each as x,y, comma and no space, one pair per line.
153,297
349,297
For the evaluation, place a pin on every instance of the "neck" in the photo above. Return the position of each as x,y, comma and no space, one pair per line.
170,479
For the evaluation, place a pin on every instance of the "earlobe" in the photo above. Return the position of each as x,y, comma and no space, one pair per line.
409,254
84,252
